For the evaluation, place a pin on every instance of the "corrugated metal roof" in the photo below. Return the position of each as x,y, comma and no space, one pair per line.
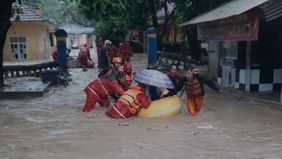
30,14
232,8
77,29
272,10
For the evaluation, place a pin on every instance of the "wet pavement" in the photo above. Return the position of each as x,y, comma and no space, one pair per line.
53,127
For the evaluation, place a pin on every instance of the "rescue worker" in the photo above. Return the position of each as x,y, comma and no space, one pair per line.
99,45
113,52
115,68
104,62
84,57
193,83
117,62
129,74
125,51
100,89
86,49
130,103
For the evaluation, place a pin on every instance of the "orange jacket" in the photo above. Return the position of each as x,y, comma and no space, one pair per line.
194,88
129,103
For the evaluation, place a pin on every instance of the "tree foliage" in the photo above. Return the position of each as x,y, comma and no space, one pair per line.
188,9
121,15
61,11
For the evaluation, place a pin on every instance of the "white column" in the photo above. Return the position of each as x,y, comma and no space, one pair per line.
94,52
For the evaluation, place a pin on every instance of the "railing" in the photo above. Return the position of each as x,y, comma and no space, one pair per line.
28,70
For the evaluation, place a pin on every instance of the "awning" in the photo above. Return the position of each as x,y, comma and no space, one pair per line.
272,10
77,29
235,7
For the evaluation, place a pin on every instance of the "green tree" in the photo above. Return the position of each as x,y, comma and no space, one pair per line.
120,15
58,10
61,11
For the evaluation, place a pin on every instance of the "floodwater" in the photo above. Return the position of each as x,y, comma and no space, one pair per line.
54,127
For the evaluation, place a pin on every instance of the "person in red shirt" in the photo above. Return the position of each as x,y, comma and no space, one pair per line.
115,68
100,89
84,57
113,52
175,76
125,51
129,73
130,103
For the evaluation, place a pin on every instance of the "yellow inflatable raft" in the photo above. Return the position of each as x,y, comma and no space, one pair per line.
165,107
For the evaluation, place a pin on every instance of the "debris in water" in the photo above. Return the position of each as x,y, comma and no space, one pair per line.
123,124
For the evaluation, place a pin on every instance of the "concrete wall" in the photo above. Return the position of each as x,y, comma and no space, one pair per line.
37,40
213,59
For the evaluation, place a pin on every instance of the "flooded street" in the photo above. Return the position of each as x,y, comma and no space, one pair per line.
54,127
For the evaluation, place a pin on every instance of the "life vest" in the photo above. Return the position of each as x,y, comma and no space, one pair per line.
194,88
129,98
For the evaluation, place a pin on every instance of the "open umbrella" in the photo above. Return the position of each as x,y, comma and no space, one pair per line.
154,78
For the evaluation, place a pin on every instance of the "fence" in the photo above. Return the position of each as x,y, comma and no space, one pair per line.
28,70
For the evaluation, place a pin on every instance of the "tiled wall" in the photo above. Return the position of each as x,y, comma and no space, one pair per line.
257,83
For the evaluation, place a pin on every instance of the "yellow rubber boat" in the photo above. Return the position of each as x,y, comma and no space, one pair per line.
165,107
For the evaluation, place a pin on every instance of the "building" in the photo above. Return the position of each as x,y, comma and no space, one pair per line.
30,37
244,40
78,35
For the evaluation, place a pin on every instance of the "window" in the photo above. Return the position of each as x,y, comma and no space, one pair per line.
18,47
230,50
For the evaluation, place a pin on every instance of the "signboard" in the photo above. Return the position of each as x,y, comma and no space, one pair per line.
243,27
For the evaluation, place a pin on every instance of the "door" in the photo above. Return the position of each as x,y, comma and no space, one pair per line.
228,53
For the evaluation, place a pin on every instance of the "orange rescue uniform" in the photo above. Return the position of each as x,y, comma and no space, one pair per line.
126,51
129,104
195,92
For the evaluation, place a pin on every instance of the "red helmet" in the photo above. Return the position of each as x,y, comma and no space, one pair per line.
117,60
